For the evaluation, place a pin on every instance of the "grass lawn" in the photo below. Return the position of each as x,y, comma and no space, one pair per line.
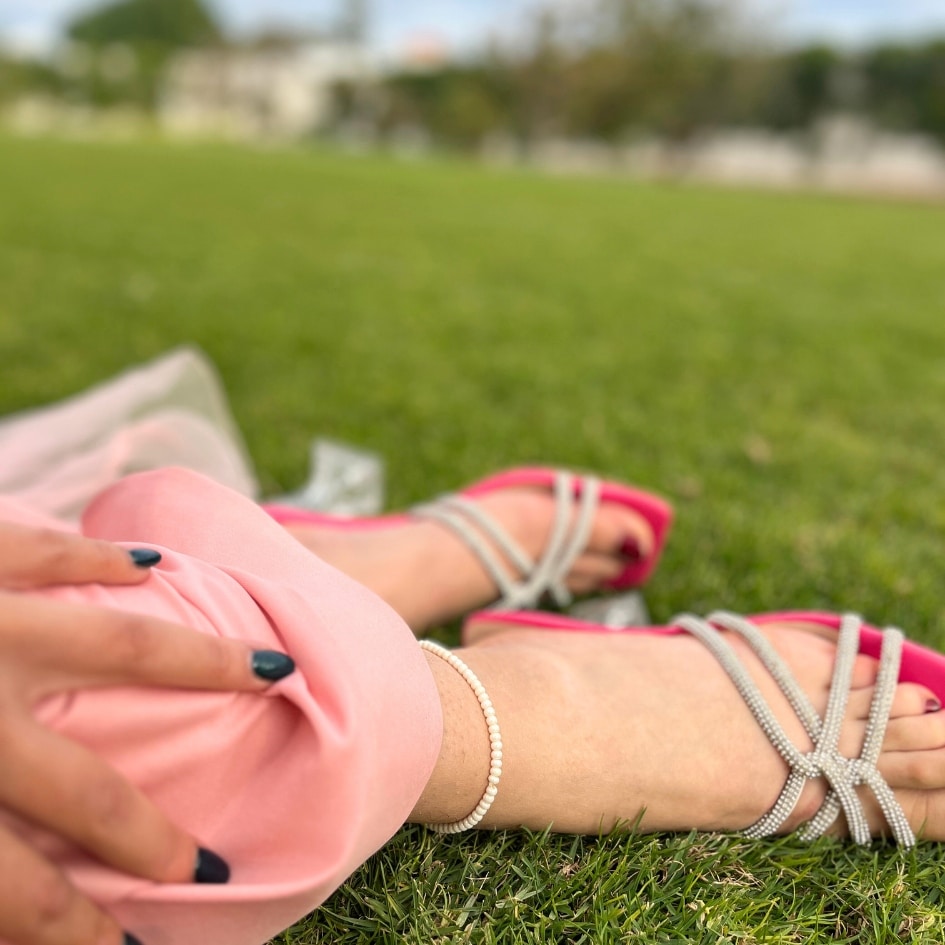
774,364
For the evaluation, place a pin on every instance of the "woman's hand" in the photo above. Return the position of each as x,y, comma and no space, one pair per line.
40,557
49,646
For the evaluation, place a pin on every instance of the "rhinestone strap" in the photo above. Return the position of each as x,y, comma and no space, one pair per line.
565,542
495,740
842,774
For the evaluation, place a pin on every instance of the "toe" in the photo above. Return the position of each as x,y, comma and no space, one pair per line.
591,571
916,733
917,770
865,669
910,699
622,533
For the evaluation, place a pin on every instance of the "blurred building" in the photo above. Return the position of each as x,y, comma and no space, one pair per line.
842,152
282,92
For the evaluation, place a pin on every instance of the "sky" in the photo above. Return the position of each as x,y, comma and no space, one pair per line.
33,25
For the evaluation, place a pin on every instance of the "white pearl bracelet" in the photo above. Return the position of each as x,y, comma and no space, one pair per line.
495,740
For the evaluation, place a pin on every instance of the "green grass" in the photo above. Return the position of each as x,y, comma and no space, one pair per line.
775,364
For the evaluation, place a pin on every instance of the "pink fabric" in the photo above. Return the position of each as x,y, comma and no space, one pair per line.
171,411
295,788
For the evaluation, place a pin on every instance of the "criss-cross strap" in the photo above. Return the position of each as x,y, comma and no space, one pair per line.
521,580
824,760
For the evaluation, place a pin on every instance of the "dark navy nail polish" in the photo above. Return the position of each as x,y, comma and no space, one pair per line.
272,665
933,705
630,549
131,940
145,557
210,868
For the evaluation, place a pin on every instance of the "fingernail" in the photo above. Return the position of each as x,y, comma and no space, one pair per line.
210,868
144,557
131,940
272,665
932,705
630,549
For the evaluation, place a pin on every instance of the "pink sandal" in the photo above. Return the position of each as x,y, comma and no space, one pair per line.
575,496
899,661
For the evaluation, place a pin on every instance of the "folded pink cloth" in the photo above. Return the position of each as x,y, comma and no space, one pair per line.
296,787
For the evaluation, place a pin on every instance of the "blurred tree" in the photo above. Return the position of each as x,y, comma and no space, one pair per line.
810,75
467,113
19,77
540,81
143,34
168,23
666,66
609,68
605,69
905,86
458,106
802,88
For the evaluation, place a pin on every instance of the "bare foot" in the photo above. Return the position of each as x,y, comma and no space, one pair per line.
599,729
429,576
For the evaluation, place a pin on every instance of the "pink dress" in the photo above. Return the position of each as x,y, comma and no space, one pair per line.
294,788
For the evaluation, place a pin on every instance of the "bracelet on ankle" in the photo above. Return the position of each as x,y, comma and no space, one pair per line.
495,740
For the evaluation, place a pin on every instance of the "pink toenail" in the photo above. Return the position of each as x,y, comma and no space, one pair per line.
631,549
932,705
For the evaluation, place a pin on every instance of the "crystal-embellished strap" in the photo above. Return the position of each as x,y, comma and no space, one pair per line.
824,760
483,535
564,548
489,527
443,513
746,686
777,668
863,770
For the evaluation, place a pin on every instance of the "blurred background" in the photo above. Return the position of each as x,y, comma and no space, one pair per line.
784,93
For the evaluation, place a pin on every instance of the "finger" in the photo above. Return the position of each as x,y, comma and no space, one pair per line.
40,557
38,905
64,787
110,647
